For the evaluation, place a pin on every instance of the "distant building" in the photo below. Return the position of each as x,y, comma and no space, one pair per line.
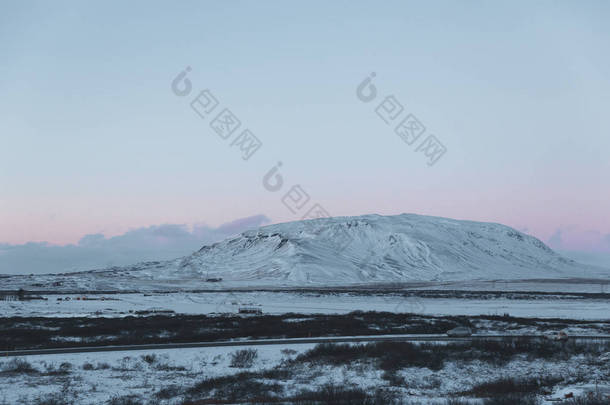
20,295
250,310
9,296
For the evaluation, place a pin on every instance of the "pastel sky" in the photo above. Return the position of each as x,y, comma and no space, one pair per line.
94,141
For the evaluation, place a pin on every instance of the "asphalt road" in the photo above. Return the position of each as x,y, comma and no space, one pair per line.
264,342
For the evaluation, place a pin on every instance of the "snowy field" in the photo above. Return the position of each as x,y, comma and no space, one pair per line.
114,373
564,286
97,378
166,376
307,303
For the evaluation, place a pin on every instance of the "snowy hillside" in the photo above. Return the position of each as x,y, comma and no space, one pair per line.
375,248
343,251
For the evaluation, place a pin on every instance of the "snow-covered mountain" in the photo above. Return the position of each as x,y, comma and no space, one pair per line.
355,250
374,248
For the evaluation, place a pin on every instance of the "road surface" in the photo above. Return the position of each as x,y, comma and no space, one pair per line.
262,342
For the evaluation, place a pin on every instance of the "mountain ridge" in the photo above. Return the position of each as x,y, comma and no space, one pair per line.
341,251
405,247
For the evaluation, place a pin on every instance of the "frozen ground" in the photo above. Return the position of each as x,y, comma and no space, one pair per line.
306,303
95,378
117,373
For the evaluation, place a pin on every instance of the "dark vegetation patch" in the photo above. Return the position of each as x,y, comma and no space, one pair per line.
41,332
393,290
52,399
512,399
331,394
168,392
18,365
125,400
391,356
241,387
512,386
339,395
168,367
63,369
243,358
99,366
266,386
150,358
270,394
592,399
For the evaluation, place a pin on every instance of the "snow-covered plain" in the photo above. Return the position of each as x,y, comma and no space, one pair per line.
94,378
305,303
116,373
